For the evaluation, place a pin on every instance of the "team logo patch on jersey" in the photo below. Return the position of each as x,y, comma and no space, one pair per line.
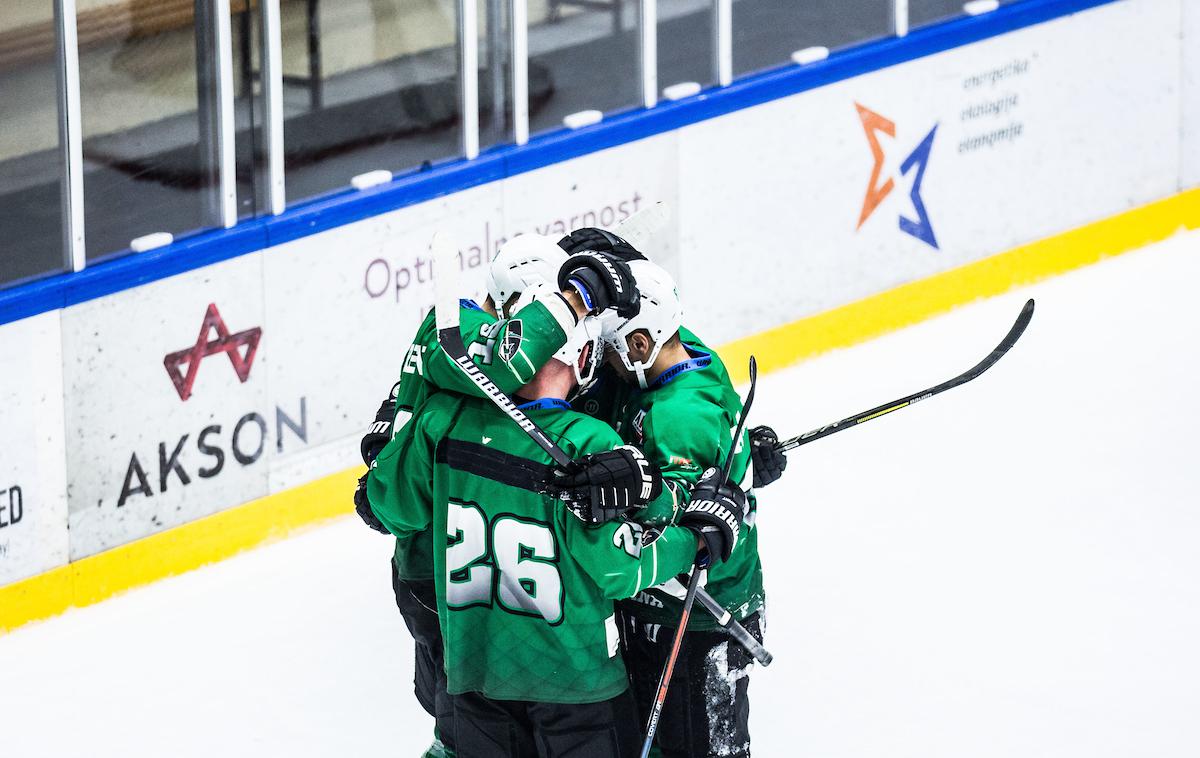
511,344
650,536
678,461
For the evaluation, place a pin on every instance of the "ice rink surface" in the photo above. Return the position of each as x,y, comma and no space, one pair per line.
1009,569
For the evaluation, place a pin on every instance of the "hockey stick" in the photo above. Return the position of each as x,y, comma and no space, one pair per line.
640,228
446,314
664,681
445,307
1010,339
735,630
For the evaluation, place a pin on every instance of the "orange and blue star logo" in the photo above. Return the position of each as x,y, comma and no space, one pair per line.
874,124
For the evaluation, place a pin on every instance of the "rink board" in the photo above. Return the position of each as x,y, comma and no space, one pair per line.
33,487
1045,129
1189,175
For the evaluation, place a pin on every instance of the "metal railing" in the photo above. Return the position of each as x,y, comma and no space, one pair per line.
272,79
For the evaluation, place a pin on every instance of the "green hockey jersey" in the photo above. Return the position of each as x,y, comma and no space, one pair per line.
684,423
509,351
525,589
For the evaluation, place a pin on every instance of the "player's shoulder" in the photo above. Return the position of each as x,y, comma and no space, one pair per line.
715,370
586,434
438,409
693,395
679,414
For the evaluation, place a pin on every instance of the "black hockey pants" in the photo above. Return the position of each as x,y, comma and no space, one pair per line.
417,602
707,711
487,728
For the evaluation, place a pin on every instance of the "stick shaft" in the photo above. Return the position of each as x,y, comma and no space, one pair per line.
664,681
1010,339
689,600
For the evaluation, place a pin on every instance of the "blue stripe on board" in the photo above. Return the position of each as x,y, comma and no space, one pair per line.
344,207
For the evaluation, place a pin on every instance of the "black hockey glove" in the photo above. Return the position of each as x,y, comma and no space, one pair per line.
380,431
768,462
716,515
362,507
604,486
603,281
600,241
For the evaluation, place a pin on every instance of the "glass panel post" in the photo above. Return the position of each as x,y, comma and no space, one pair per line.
900,18
70,134
520,70
724,47
226,170
649,52
468,48
272,94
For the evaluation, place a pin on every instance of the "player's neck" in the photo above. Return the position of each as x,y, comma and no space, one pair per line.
553,381
667,357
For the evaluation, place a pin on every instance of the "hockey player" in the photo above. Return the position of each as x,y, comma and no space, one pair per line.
768,463
524,588
509,351
679,406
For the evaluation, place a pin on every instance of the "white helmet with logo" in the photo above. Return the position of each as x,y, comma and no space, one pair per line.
661,316
584,351
522,262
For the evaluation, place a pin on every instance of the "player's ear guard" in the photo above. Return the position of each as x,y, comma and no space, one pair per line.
601,487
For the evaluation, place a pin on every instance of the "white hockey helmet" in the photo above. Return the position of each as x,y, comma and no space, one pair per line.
521,262
661,316
584,351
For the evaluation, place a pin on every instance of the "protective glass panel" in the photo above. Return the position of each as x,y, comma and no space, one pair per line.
687,49
767,32
583,55
248,112
147,90
368,84
31,236
921,12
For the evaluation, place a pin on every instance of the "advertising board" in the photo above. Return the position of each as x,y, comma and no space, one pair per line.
33,488
167,412
1189,166
816,200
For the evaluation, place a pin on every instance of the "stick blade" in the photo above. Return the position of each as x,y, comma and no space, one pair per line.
641,228
445,280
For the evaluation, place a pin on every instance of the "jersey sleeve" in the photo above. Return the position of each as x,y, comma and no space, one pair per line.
684,437
400,482
509,351
622,558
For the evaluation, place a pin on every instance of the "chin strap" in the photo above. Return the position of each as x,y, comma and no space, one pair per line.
640,373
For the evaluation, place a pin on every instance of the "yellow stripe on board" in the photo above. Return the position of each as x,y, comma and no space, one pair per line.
175,551
917,301
229,532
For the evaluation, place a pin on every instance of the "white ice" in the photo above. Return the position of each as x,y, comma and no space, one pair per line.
1009,569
